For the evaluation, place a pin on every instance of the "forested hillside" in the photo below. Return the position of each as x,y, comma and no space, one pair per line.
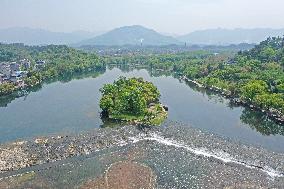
256,76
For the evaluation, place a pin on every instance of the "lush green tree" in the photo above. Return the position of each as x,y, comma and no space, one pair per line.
267,101
7,88
128,97
253,88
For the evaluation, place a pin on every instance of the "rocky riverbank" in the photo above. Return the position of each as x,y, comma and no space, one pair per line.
171,156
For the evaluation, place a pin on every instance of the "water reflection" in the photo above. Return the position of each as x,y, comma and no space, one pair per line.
261,123
5,100
189,104
211,95
152,72
256,120
110,123
76,76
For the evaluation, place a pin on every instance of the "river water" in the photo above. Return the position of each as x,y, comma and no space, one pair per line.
72,107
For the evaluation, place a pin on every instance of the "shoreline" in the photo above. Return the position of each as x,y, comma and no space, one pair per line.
275,115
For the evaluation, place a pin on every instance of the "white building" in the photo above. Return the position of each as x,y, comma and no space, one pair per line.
5,69
25,64
1,78
40,64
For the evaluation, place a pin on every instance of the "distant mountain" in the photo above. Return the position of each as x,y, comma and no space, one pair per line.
226,37
134,35
131,35
31,36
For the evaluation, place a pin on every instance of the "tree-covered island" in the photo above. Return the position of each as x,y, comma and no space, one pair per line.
132,100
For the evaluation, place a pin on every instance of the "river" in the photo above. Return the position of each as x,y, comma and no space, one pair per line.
205,142
72,107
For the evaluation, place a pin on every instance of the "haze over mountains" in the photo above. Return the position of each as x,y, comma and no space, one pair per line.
32,36
131,35
136,35
226,36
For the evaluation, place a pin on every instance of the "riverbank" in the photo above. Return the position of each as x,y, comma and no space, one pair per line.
178,155
274,114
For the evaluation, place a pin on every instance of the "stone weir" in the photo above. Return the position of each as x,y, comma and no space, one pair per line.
171,156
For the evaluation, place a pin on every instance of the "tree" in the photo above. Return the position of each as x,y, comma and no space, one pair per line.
253,88
128,97
7,88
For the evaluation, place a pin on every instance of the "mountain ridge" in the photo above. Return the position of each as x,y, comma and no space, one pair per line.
35,36
131,35
222,36
136,35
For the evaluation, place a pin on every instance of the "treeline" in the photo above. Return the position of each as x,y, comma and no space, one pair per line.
165,62
256,76
60,61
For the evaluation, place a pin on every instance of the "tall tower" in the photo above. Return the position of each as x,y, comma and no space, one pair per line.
141,42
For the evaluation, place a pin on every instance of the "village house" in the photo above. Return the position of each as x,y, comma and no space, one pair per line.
1,78
10,72
25,64
40,64
15,77
5,69
14,67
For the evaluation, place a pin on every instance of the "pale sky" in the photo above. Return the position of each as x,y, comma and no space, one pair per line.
167,16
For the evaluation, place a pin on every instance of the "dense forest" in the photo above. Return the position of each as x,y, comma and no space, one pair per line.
256,76
60,61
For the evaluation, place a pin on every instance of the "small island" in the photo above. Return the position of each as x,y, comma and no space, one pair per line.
132,100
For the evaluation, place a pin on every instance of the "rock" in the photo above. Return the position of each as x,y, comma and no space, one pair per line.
166,108
41,141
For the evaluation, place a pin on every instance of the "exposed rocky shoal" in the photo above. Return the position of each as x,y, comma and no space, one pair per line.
178,155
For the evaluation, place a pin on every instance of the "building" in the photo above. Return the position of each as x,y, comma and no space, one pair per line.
25,64
14,67
17,76
1,78
40,64
5,69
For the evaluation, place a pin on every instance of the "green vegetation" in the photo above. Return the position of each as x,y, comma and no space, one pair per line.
61,61
132,100
255,76
7,88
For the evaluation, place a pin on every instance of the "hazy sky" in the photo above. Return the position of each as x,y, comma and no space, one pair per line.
170,16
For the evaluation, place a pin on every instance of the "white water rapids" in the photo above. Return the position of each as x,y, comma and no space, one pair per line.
216,154
219,155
